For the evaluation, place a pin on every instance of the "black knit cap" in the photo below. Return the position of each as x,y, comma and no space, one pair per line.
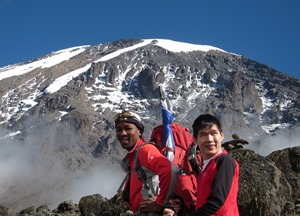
130,117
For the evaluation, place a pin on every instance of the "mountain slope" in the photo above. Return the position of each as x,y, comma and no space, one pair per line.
61,106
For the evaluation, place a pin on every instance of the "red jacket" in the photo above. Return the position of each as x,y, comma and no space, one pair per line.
218,187
151,159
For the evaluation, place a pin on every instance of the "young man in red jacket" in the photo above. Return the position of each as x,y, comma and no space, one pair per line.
217,186
144,198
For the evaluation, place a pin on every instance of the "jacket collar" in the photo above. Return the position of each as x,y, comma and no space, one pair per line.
138,143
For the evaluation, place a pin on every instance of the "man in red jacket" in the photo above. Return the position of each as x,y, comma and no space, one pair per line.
144,198
217,184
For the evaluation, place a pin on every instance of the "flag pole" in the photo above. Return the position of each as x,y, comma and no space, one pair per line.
167,118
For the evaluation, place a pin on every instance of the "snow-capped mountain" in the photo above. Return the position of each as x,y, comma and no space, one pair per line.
61,105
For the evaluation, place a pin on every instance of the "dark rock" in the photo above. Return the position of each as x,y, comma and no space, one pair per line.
67,206
91,205
236,143
263,188
28,211
97,205
289,209
43,209
5,211
288,161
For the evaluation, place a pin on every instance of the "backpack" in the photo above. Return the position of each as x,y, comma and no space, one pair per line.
183,140
185,157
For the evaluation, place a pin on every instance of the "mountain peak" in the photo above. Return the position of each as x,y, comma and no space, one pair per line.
61,105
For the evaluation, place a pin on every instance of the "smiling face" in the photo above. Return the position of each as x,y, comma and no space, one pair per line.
128,134
209,139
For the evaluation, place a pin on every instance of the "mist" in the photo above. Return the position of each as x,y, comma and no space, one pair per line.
283,139
31,177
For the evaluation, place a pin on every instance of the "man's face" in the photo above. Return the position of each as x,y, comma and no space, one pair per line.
127,134
209,141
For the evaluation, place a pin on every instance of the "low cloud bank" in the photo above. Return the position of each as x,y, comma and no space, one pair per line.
283,139
30,177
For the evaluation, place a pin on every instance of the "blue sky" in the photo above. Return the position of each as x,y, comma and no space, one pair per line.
264,31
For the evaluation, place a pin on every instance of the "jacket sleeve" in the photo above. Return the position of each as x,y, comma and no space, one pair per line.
151,158
221,184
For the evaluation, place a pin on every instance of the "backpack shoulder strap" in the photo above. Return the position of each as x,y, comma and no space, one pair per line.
192,158
150,180
125,166
137,165
123,182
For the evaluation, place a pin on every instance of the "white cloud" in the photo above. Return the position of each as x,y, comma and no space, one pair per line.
30,177
283,139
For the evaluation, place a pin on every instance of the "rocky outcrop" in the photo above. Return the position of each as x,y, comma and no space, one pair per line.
267,186
263,188
288,161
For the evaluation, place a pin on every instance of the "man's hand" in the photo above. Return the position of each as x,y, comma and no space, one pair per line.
168,212
176,204
149,205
